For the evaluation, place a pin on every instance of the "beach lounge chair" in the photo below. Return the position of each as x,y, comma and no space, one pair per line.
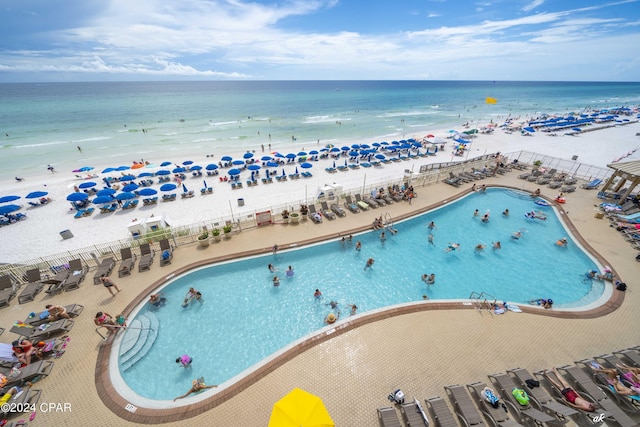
128,262
26,398
504,385
44,331
361,203
388,417
581,381
43,317
27,373
338,210
463,406
166,252
7,291
630,404
327,212
56,284
350,205
315,216
456,181
146,257
540,398
440,412
371,201
413,414
104,269
498,416
77,273
33,288
395,194
592,185
631,356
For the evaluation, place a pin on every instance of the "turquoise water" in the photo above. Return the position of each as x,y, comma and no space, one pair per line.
244,319
45,123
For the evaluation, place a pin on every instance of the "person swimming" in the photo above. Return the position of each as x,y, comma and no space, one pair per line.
562,242
452,247
429,279
516,235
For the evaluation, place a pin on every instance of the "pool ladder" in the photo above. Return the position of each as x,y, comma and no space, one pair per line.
388,223
483,301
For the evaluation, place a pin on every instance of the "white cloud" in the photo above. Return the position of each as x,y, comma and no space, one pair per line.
534,4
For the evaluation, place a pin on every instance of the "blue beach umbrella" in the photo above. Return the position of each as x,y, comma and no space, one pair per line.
145,174
302,154
336,149
178,170
247,155
281,156
127,178
272,164
5,209
122,168
86,169
380,156
529,129
265,158
211,167
102,199
196,168
107,170
36,194
184,188
237,162
313,152
148,192
226,159
234,172
576,129
353,153
106,192
163,164
87,184
306,165
254,167
6,199
344,148
187,163
125,196
168,187
77,197
130,187
163,172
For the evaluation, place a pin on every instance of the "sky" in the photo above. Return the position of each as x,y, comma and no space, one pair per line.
113,40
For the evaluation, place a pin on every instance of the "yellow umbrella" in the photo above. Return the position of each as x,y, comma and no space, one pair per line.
300,409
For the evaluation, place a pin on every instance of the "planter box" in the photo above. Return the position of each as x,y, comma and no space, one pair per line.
294,218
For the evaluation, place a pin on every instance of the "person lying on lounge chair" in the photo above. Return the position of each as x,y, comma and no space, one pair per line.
613,379
631,376
197,385
56,312
571,397
23,349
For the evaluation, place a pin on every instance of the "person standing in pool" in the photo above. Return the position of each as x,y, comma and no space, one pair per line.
369,263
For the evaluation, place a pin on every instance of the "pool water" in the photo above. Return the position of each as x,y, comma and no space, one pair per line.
244,318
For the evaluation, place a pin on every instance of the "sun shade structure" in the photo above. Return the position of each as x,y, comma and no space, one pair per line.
625,178
300,409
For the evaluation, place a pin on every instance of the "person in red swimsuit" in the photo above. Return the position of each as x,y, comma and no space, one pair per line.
23,350
572,398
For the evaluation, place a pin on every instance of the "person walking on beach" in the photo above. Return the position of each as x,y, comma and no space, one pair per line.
51,169
108,283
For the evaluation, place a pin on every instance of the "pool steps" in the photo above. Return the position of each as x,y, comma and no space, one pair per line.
138,340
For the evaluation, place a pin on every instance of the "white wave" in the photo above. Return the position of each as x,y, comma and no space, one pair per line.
205,140
223,123
42,144
95,138
407,113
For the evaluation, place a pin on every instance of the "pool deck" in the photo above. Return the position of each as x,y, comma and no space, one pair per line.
419,348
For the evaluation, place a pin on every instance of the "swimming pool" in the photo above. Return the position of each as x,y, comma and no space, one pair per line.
245,319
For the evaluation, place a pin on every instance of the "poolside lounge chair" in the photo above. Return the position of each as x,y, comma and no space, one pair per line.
27,373
440,412
327,212
315,216
371,201
498,416
43,331
630,403
362,204
78,272
388,417
146,257
128,262
338,210
568,189
630,354
582,382
350,205
463,406
166,252
27,398
592,185
541,399
104,269
395,194
33,288
56,284
526,413
413,414
43,317
7,291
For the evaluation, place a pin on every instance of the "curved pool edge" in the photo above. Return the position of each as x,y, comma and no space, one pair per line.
121,407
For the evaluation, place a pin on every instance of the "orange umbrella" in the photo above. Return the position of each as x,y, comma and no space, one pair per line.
137,166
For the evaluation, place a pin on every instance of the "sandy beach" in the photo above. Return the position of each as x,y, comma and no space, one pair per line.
39,235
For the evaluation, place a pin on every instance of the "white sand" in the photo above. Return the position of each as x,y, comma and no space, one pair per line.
39,235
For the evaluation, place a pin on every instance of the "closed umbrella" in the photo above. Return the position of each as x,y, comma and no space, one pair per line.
36,194
283,173
6,199
168,187
5,209
77,197
148,192
184,188
87,184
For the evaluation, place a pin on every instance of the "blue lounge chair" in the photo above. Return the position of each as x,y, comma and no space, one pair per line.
592,185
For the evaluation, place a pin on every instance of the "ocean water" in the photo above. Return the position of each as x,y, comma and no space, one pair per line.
116,123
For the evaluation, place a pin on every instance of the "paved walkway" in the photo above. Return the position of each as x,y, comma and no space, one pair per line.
354,371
